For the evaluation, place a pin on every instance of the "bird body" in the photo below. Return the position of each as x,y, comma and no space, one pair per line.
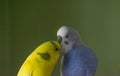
79,59
80,62
41,61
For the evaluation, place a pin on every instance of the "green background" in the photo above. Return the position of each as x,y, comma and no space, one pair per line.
24,24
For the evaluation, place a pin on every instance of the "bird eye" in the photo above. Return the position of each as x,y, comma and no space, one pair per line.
56,49
66,36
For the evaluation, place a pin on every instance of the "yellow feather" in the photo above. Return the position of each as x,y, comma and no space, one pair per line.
42,60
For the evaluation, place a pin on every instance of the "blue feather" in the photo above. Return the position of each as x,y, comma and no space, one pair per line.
80,62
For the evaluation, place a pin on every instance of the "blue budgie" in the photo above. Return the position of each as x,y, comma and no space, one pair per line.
78,59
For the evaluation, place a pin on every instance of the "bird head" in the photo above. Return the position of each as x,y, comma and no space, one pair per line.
69,37
49,51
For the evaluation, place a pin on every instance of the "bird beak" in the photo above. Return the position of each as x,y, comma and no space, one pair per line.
59,39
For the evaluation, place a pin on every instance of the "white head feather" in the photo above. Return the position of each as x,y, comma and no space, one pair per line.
70,37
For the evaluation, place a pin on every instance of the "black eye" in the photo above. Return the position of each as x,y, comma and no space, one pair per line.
56,49
66,36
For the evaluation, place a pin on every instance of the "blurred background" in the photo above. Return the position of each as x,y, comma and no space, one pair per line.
24,24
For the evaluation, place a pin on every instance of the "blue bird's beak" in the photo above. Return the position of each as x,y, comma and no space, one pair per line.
59,39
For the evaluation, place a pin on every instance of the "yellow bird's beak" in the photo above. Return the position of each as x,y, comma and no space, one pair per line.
59,39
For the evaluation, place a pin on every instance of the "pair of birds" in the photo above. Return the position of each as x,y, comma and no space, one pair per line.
78,59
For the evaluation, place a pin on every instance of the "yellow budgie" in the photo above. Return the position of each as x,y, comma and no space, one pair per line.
42,60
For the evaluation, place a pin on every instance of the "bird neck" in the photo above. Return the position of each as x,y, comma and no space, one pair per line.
78,43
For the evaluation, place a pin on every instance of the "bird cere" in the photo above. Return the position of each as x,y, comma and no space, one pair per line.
78,59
